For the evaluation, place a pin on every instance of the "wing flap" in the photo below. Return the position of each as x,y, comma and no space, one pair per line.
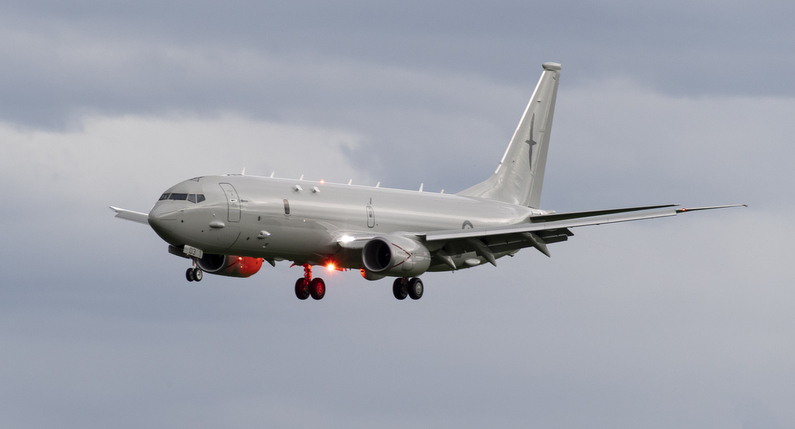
591,213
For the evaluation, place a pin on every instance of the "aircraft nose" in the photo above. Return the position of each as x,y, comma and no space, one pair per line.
162,220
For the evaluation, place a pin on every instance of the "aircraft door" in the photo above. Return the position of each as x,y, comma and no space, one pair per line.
233,202
370,217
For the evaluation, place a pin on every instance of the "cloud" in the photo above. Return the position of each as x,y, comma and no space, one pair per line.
61,62
643,145
129,158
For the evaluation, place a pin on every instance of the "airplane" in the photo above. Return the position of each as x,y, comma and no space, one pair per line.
230,224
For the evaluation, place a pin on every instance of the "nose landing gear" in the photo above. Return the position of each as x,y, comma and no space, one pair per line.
194,273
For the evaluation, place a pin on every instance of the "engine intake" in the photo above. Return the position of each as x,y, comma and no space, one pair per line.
395,255
229,265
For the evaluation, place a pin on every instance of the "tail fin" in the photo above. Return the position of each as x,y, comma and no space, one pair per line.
520,175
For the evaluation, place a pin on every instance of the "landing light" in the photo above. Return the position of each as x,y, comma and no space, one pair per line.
347,238
331,267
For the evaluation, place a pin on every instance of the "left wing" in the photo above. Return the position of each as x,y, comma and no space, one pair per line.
548,228
131,215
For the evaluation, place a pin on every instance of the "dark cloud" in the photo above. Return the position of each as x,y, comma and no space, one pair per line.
62,60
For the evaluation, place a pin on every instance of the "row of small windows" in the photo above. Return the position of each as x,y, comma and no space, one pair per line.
176,196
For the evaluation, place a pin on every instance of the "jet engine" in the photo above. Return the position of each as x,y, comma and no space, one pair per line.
227,265
394,255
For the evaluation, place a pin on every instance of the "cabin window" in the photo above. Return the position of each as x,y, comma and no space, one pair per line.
286,207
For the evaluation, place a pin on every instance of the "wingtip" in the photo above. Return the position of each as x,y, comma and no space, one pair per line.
693,209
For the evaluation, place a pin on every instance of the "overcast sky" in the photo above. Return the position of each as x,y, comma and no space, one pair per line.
686,322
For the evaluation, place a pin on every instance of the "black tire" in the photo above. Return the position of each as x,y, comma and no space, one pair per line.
301,289
317,288
399,288
189,275
416,288
198,274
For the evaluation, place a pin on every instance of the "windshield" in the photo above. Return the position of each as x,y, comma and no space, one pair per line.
178,196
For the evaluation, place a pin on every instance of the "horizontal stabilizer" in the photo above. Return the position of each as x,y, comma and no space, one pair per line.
131,215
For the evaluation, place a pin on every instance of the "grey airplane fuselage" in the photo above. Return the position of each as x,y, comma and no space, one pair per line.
228,225
303,221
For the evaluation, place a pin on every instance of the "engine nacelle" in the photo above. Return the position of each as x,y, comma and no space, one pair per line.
394,255
227,265
370,275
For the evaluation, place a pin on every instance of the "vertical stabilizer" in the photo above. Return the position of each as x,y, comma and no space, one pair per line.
520,175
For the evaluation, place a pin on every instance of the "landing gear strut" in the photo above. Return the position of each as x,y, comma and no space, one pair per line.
306,285
404,286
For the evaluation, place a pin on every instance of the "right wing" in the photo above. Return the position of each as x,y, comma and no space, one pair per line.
131,215
544,229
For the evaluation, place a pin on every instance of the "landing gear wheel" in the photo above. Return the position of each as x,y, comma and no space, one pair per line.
301,289
198,274
416,288
189,275
317,288
399,288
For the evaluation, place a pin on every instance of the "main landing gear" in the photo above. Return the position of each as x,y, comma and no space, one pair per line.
403,286
306,285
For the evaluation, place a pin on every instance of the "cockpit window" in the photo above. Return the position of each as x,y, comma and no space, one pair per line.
176,196
196,198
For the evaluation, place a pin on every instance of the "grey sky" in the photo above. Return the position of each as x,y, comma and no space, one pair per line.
682,322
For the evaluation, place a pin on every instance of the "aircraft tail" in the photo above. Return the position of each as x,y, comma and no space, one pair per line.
520,175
